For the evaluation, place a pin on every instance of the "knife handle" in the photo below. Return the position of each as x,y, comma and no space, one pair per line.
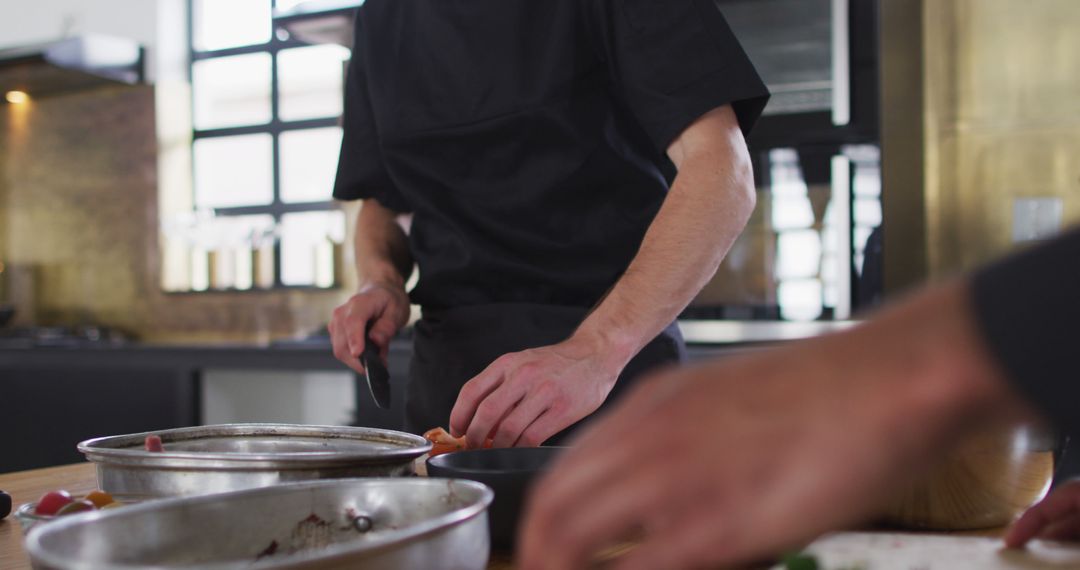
371,350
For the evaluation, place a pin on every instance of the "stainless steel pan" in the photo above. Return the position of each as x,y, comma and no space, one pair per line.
357,523
231,457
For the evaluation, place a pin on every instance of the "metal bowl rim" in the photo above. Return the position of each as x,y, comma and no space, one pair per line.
95,449
491,472
389,539
27,510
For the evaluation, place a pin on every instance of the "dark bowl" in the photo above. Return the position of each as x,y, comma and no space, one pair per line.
509,472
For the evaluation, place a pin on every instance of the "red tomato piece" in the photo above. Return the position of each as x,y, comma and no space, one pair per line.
51,502
153,443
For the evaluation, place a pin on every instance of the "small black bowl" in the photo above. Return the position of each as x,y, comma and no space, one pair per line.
509,472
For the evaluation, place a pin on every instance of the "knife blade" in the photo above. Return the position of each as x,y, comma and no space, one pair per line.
378,378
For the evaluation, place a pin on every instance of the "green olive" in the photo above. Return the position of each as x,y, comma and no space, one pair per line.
75,507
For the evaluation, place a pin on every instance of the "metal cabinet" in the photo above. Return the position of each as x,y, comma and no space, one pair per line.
46,412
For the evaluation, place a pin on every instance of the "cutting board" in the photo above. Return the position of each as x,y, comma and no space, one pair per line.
889,551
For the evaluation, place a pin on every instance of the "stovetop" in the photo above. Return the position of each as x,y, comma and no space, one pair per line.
74,336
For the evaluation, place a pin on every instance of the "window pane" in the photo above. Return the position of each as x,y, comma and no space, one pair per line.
791,204
232,91
800,300
798,254
310,247
222,24
233,171
311,81
235,245
309,163
867,212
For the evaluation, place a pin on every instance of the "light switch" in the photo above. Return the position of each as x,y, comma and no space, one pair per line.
1036,218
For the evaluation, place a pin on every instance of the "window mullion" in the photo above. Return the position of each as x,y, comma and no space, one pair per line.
275,125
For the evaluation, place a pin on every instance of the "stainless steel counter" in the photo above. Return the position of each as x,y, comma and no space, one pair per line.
746,332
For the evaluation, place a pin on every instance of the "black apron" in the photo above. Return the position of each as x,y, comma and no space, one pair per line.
451,346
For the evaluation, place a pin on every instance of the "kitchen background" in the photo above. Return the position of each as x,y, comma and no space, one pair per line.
190,213
90,179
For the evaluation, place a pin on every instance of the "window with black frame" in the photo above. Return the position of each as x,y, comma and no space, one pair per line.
266,134
811,250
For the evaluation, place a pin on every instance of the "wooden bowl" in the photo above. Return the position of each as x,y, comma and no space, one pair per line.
985,483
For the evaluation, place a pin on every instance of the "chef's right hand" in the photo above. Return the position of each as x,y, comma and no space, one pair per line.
385,307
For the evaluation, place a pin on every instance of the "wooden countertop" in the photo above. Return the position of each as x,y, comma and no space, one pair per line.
980,549
27,486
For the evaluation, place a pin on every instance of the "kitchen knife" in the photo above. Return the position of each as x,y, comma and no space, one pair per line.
378,378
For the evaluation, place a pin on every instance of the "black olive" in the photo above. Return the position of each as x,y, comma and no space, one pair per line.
5,504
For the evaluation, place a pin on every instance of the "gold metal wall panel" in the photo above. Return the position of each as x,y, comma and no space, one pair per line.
78,205
903,145
1000,120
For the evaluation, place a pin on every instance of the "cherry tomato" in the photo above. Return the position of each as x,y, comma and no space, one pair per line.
51,502
79,506
99,498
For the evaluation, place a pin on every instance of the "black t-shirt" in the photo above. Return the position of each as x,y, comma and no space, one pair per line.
1028,309
528,137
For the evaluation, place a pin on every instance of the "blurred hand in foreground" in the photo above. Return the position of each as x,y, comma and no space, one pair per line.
745,458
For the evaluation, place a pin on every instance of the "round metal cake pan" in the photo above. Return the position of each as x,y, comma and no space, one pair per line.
232,457
356,523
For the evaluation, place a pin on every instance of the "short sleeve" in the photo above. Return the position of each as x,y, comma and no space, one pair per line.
1027,308
361,169
672,61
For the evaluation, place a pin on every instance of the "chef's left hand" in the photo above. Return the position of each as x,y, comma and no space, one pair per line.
1057,517
523,398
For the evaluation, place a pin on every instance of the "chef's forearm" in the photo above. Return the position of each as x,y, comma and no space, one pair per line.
706,209
382,248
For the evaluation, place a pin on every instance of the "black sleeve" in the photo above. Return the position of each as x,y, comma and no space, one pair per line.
675,60
1028,308
361,170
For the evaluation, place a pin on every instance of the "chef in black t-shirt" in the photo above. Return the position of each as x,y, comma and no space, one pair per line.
519,154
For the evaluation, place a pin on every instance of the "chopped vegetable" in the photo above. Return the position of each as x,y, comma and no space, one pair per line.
52,502
153,443
800,561
443,442
79,506
60,502
99,498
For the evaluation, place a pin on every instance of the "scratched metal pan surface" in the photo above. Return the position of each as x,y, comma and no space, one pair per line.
354,523
231,457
